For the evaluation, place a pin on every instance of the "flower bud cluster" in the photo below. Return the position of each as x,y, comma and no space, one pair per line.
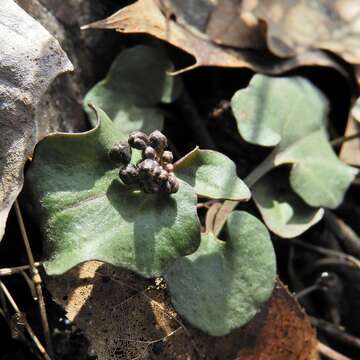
154,172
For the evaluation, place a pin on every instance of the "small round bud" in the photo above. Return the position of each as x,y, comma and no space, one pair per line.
149,153
158,141
147,167
169,167
174,183
138,140
120,153
157,171
167,187
129,175
163,176
167,157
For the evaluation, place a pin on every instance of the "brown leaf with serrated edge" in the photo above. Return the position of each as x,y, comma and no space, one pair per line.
297,26
125,316
144,16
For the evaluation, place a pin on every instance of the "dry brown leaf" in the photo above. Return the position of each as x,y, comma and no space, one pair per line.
298,26
127,317
30,59
230,24
350,150
144,16
192,14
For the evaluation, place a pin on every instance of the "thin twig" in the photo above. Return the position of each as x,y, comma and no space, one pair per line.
333,253
330,353
30,284
342,139
210,217
21,316
207,204
229,205
3,304
343,232
36,278
336,331
306,291
150,342
331,262
16,269
21,336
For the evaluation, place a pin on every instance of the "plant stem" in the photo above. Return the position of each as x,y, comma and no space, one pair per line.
351,260
342,139
20,315
16,269
229,205
343,232
330,353
336,331
36,280
306,291
263,168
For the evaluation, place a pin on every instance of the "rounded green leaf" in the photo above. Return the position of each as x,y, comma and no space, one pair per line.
136,83
224,284
212,174
295,111
86,213
283,211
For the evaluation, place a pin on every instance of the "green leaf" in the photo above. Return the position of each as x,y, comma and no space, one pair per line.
136,83
212,174
295,111
224,284
284,212
87,213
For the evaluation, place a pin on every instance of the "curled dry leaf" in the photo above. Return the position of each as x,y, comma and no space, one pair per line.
30,59
350,150
192,14
225,22
297,26
144,324
145,16
230,24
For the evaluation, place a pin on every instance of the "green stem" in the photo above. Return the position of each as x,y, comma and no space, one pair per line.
263,168
229,205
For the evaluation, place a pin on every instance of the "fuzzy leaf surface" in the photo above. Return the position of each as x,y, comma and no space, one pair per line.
86,213
283,211
291,114
223,285
136,83
212,174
